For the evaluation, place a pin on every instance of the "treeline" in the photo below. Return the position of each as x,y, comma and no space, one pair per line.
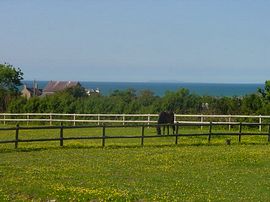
74,100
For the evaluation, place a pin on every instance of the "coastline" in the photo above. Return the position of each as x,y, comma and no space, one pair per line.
160,88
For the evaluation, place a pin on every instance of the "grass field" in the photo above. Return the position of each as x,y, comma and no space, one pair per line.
82,170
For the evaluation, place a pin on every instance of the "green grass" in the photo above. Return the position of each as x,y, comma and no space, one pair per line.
82,170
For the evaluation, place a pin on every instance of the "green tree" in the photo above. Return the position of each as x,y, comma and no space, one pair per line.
144,102
265,95
146,97
126,95
252,104
76,91
10,79
180,101
17,105
266,91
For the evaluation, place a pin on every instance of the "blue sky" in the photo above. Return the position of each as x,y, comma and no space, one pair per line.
225,41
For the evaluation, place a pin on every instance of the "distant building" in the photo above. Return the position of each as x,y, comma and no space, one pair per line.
31,92
56,86
92,91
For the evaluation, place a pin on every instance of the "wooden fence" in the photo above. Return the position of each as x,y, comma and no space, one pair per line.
104,136
99,119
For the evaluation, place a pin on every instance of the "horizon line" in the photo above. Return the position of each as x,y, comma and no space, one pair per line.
153,81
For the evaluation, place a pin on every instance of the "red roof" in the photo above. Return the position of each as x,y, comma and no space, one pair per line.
54,86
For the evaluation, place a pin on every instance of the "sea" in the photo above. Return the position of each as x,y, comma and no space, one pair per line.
160,88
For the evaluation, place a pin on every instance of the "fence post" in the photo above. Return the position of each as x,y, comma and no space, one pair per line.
260,122
74,119
240,131
61,135
269,133
50,119
123,119
28,117
230,122
98,119
4,119
176,135
103,136
17,136
142,140
201,121
148,119
210,132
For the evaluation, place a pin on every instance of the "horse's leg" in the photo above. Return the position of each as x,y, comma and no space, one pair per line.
173,127
168,130
158,130
164,130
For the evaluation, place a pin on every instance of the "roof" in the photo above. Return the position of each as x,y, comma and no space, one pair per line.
34,90
54,86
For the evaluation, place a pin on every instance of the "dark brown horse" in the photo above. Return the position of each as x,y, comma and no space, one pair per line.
166,117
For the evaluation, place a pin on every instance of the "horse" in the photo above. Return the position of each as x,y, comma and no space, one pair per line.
165,117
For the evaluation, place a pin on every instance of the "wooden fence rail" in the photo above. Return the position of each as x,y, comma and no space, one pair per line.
124,119
105,136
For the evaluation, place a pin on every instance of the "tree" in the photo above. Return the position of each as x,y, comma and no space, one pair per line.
126,95
76,91
252,104
178,101
266,91
265,95
10,79
146,97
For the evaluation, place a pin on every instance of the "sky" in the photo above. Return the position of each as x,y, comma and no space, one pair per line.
209,41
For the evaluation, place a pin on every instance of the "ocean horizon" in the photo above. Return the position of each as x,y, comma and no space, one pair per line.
160,88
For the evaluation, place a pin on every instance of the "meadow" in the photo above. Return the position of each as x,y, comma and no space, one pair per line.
83,170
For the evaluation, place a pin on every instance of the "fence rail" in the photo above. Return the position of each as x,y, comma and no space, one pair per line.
100,119
104,136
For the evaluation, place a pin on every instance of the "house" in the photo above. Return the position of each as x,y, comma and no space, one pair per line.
31,92
92,91
56,86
